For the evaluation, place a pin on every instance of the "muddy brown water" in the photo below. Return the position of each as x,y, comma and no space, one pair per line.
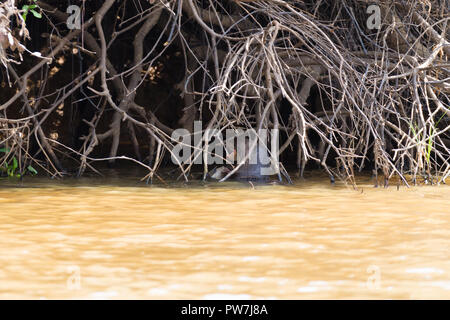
115,238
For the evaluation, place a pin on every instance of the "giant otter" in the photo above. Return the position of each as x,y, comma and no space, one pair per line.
247,172
251,169
249,160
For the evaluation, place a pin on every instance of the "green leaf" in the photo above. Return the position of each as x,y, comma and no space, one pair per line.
15,164
4,150
33,6
32,170
36,14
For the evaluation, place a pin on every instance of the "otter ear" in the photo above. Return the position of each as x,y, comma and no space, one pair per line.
225,170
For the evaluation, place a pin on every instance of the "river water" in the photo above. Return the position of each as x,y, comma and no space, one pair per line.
116,238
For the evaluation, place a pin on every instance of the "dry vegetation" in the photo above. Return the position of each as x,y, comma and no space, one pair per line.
383,94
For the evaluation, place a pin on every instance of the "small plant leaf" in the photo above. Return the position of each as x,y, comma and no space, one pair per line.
32,170
15,164
36,14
